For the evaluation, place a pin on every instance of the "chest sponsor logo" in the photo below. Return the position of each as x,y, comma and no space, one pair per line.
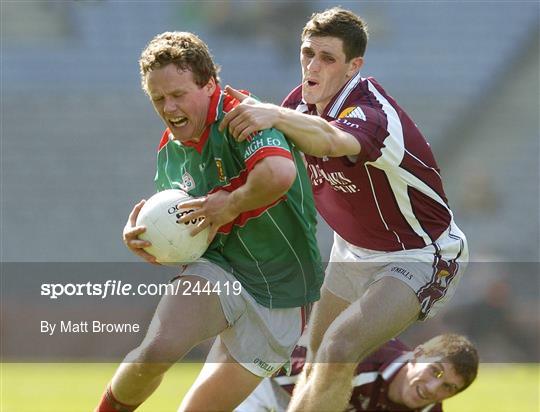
348,124
220,170
354,112
338,180
260,143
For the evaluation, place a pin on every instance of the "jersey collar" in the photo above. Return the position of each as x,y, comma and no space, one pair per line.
332,109
211,117
389,370
388,373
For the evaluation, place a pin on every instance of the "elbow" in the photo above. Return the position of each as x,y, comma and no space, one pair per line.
289,176
283,175
329,145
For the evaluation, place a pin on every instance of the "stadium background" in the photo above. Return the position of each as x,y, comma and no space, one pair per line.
78,138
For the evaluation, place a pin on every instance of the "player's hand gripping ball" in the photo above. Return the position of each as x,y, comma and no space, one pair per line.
171,241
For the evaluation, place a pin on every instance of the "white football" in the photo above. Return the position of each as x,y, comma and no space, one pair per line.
171,241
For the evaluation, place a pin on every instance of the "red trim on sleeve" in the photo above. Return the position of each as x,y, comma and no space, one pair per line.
266,152
230,102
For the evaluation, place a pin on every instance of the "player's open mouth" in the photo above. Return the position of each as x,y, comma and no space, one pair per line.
421,394
311,83
178,121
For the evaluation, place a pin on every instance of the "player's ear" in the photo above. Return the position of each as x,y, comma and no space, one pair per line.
210,87
355,64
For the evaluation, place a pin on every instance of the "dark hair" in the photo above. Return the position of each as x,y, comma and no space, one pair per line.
456,350
183,49
340,23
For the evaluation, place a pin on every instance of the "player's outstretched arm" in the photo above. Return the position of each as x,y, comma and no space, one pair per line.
131,234
270,178
311,134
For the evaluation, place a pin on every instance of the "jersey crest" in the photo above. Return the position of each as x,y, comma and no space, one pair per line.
220,170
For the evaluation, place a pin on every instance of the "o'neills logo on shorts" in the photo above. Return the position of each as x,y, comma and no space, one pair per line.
401,271
264,365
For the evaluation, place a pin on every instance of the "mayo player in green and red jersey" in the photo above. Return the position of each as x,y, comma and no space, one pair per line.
256,199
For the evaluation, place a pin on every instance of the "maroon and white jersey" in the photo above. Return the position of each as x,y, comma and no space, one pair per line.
391,196
371,380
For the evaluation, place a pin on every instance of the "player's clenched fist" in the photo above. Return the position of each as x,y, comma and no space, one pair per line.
131,234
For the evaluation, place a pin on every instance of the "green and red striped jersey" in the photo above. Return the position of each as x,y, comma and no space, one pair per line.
272,250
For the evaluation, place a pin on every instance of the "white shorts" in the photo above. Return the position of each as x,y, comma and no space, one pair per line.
258,338
432,272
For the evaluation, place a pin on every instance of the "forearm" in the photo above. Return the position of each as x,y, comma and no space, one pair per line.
270,179
315,136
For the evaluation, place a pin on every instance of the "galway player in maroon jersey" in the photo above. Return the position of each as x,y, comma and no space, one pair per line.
393,378
397,253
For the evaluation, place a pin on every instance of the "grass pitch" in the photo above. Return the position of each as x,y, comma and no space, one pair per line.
75,387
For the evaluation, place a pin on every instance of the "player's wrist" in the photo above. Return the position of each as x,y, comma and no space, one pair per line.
233,204
281,117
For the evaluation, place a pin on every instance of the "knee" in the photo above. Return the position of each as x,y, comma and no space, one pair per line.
147,361
156,353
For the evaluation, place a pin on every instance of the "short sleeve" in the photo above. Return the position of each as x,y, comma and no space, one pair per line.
368,127
269,142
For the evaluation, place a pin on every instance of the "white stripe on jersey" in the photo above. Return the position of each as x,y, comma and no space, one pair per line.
302,107
422,163
392,155
258,267
396,364
349,87
292,250
300,184
393,150
363,378
221,97
172,183
379,209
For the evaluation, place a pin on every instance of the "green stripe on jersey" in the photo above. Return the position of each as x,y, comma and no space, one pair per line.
274,254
